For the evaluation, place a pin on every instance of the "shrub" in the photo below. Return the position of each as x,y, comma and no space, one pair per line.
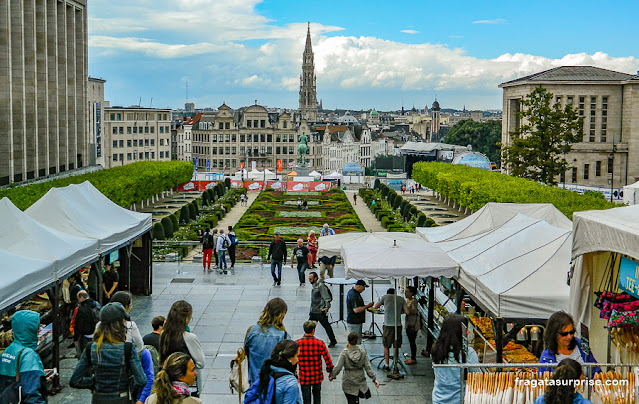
196,207
377,183
227,183
348,222
250,222
421,220
413,210
396,227
205,198
228,206
385,221
192,212
175,222
385,190
402,207
211,194
185,217
397,202
158,231
168,227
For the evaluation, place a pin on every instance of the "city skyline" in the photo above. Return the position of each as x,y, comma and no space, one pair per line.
366,55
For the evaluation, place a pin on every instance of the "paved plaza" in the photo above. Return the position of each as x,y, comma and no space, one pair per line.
224,306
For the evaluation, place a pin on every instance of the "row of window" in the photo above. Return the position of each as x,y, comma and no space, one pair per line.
248,151
134,130
232,163
244,137
586,171
135,116
135,143
142,156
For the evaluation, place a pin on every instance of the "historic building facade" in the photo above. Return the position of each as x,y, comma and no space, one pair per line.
608,103
43,95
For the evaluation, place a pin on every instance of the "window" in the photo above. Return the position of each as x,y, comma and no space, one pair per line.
249,123
135,143
227,137
598,168
152,142
146,155
146,142
220,150
115,143
269,150
141,156
164,116
227,125
256,138
262,137
121,130
152,155
285,124
135,129
161,142
603,137
558,99
278,137
115,130
262,150
121,143
128,143
115,157
255,123
128,130
242,150
159,117
152,129
242,137
227,150
569,100
262,123
290,150
128,156
593,100
161,129
586,171
277,150
121,157
574,175
233,163
269,138
233,150
591,138
112,117
562,177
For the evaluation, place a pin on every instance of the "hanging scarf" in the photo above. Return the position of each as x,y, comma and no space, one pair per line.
182,389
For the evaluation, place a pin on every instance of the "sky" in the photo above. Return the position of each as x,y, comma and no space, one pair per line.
368,54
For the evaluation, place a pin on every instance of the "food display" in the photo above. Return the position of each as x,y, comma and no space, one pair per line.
512,352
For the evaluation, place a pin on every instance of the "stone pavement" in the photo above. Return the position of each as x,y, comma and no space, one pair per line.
226,305
367,218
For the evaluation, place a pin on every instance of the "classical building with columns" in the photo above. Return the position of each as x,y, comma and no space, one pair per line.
608,103
43,88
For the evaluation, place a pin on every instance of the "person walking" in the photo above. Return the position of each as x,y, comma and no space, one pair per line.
215,238
21,358
207,249
176,338
281,367
356,309
448,348
303,256
321,298
132,331
242,199
310,364
394,306
262,337
233,244
354,361
412,323
223,244
327,264
109,362
153,338
277,251
299,203
173,380
312,245
354,198
85,319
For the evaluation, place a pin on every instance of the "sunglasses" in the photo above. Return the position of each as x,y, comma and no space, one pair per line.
566,333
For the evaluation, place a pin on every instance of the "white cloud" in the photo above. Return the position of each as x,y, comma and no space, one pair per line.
491,22
409,31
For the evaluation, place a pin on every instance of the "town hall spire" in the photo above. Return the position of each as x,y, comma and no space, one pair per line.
308,91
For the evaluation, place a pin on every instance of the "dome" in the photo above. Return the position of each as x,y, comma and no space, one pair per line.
348,119
374,113
435,105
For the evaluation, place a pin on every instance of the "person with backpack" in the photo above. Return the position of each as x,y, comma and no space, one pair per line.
173,381
85,319
207,249
223,244
321,298
277,383
132,331
234,242
176,338
215,237
21,359
153,338
109,362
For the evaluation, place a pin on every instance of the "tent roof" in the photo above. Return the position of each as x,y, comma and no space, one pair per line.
493,215
635,185
83,211
292,174
615,230
515,270
29,238
405,258
22,276
332,245
314,174
332,176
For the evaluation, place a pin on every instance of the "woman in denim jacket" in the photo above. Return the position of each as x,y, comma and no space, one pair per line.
106,372
262,337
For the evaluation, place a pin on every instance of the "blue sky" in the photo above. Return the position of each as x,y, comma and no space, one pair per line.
368,54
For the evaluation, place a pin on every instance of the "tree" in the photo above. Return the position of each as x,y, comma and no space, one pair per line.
482,136
538,146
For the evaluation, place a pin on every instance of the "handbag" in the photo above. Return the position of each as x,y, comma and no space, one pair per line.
13,393
238,379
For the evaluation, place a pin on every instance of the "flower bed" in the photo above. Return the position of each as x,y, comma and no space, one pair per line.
303,193
296,230
304,213
310,203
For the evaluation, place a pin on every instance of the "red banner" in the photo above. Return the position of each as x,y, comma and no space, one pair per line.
236,184
320,185
293,186
253,185
276,185
196,186
279,166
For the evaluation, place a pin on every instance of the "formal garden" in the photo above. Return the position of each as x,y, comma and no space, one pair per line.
278,211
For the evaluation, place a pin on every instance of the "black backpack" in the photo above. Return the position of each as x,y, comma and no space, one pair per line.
207,241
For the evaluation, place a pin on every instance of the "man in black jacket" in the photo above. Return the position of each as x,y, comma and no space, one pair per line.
277,251
85,320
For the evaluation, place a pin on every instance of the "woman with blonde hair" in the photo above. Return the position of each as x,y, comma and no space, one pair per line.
107,363
262,337
312,244
176,338
173,381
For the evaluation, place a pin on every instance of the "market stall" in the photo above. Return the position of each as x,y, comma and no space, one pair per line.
511,267
332,246
604,281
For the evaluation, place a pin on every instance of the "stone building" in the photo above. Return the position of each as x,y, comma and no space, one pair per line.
608,102
136,134
43,90
96,104
308,90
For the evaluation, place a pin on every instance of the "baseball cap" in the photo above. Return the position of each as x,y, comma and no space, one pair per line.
277,233
112,312
361,283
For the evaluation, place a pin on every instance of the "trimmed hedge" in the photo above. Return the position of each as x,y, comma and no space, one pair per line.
168,227
124,185
158,231
175,222
473,188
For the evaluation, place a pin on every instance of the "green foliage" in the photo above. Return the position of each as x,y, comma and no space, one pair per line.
196,207
228,206
158,231
473,188
538,146
403,207
185,217
412,211
227,183
377,182
250,222
124,185
421,220
168,227
385,221
205,199
192,212
211,194
482,136
397,202
175,222
385,191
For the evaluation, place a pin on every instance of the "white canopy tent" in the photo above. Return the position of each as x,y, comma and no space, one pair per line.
333,176
332,245
270,175
597,234
314,174
631,194
515,268
22,276
28,238
241,173
256,174
82,211
394,259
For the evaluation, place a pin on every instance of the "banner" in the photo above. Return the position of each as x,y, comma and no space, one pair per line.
293,186
253,185
196,186
241,166
320,185
629,276
237,184
253,165
279,166
276,185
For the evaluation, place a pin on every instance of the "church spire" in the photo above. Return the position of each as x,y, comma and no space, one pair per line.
308,91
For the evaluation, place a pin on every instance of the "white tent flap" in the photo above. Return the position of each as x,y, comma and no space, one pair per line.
332,245
615,230
22,276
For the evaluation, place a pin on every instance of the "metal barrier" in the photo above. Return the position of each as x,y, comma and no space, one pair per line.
463,366
244,252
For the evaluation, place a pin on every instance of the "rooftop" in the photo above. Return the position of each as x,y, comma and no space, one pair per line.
573,73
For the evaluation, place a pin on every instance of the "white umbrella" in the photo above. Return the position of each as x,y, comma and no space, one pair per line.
332,245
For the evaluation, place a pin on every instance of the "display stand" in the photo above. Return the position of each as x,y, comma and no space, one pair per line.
370,334
341,282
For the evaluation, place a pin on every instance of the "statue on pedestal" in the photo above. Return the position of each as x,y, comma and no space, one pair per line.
302,150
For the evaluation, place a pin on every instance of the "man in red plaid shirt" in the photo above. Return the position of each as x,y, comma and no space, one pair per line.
310,364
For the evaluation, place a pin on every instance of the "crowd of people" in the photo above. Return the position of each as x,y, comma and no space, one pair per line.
217,244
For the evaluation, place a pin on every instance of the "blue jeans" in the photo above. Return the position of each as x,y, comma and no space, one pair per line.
278,264
300,271
222,255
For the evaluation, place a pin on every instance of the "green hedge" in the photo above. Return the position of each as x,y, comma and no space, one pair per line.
124,185
473,188
158,231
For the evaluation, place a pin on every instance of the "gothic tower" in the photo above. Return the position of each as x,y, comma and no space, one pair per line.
308,92
434,123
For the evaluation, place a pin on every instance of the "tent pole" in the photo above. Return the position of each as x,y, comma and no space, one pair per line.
431,314
499,339
56,332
